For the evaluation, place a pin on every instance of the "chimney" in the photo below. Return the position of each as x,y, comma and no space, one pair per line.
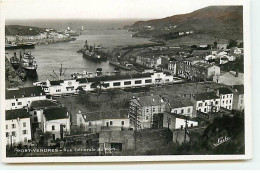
236,73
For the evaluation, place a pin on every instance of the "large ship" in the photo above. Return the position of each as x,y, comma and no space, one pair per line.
28,45
93,53
28,63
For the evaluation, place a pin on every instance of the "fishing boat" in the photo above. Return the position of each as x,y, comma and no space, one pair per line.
15,61
28,45
28,63
92,53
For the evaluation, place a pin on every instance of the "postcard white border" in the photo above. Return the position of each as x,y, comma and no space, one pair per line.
248,112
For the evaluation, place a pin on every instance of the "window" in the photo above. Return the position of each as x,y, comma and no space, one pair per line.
181,126
191,125
147,110
227,96
53,136
13,126
229,107
25,139
111,123
7,134
122,123
127,83
24,124
188,110
227,102
146,118
138,81
205,109
89,123
53,127
223,97
216,102
6,126
13,134
19,103
35,112
230,101
182,111
13,104
24,132
175,111
200,104
58,90
206,104
153,109
116,84
223,102
148,81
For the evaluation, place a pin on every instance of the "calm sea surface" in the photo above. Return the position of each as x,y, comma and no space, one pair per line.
49,57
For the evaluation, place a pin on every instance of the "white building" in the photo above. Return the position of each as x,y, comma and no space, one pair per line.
143,109
18,127
94,122
180,106
206,102
226,97
238,98
56,120
176,121
70,86
23,97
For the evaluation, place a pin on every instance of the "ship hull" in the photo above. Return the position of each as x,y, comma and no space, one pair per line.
30,72
20,46
93,58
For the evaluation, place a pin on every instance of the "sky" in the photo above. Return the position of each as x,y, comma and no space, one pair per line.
103,9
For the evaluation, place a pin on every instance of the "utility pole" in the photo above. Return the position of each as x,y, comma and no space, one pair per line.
185,129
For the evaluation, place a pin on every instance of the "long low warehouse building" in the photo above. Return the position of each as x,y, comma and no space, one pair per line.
71,86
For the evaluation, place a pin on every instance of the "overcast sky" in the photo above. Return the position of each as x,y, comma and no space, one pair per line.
103,9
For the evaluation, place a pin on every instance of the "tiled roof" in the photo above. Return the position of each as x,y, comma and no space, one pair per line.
154,100
202,65
43,104
178,102
16,113
119,77
55,113
114,114
239,89
205,96
24,92
178,116
224,91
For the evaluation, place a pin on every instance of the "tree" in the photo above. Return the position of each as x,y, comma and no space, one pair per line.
47,136
112,93
215,44
232,43
83,97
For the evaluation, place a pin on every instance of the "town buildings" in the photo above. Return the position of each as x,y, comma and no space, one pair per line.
229,78
238,98
23,97
94,122
226,97
175,121
143,109
71,86
180,105
18,127
206,102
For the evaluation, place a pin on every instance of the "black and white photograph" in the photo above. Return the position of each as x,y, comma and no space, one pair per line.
90,81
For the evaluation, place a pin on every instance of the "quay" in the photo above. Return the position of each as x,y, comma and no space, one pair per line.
117,64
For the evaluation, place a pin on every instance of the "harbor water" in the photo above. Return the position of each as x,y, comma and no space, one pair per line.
50,56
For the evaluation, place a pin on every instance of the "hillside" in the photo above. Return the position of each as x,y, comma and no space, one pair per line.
217,21
22,30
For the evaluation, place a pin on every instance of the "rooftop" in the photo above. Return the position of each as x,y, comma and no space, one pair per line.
224,91
114,114
55,113
153,100
43,104
178,116
239,89
205,96
202,65
178,102
24,92
16,113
